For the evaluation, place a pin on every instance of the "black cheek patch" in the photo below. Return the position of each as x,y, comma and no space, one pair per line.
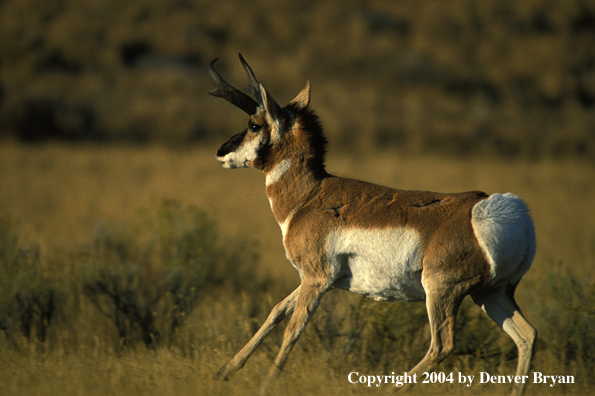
231,145
262,156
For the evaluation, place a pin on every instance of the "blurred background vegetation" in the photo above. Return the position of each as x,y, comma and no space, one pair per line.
131,263
504,77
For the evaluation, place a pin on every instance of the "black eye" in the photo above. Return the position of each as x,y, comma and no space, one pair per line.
254,127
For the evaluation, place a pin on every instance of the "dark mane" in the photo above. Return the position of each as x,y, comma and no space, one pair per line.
310,123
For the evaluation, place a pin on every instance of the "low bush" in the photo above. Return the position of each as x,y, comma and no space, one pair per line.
29,297
145,277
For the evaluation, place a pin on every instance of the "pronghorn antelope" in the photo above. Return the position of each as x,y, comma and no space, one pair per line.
386,244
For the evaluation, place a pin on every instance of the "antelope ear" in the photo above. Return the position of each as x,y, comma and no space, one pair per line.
274,112
302,100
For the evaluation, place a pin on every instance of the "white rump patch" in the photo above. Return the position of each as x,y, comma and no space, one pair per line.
278,171
505,232
381,264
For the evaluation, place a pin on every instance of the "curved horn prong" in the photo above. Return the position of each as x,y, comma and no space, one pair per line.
254,87
231,94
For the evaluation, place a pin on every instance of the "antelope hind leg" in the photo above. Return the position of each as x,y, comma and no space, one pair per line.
504,311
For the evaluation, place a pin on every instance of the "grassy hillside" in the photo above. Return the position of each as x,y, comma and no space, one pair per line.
504,78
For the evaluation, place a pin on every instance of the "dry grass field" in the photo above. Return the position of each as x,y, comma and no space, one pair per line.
131,263
68,210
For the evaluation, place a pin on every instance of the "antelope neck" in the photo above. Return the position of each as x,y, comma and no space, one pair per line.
288,186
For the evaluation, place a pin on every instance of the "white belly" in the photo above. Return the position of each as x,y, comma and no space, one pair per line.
381,264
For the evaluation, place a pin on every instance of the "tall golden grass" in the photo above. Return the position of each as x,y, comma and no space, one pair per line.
58,201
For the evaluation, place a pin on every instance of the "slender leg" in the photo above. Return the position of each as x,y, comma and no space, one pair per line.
307,302
279,312
502,309
442,306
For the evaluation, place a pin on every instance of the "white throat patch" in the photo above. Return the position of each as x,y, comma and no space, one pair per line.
279,170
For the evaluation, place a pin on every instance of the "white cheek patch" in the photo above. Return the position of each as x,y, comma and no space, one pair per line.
275,130
246,152
381,264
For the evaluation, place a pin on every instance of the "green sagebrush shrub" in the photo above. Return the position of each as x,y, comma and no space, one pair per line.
147,277
29,298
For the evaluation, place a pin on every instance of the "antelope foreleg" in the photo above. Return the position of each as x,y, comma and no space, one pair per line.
308,300
279,312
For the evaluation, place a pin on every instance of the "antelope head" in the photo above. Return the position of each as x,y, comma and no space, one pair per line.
268,126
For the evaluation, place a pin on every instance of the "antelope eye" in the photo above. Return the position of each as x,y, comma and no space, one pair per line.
254,127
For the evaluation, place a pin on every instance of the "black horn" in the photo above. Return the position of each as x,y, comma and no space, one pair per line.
254,88
231,94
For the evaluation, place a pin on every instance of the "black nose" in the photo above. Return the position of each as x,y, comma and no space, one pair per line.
231,145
